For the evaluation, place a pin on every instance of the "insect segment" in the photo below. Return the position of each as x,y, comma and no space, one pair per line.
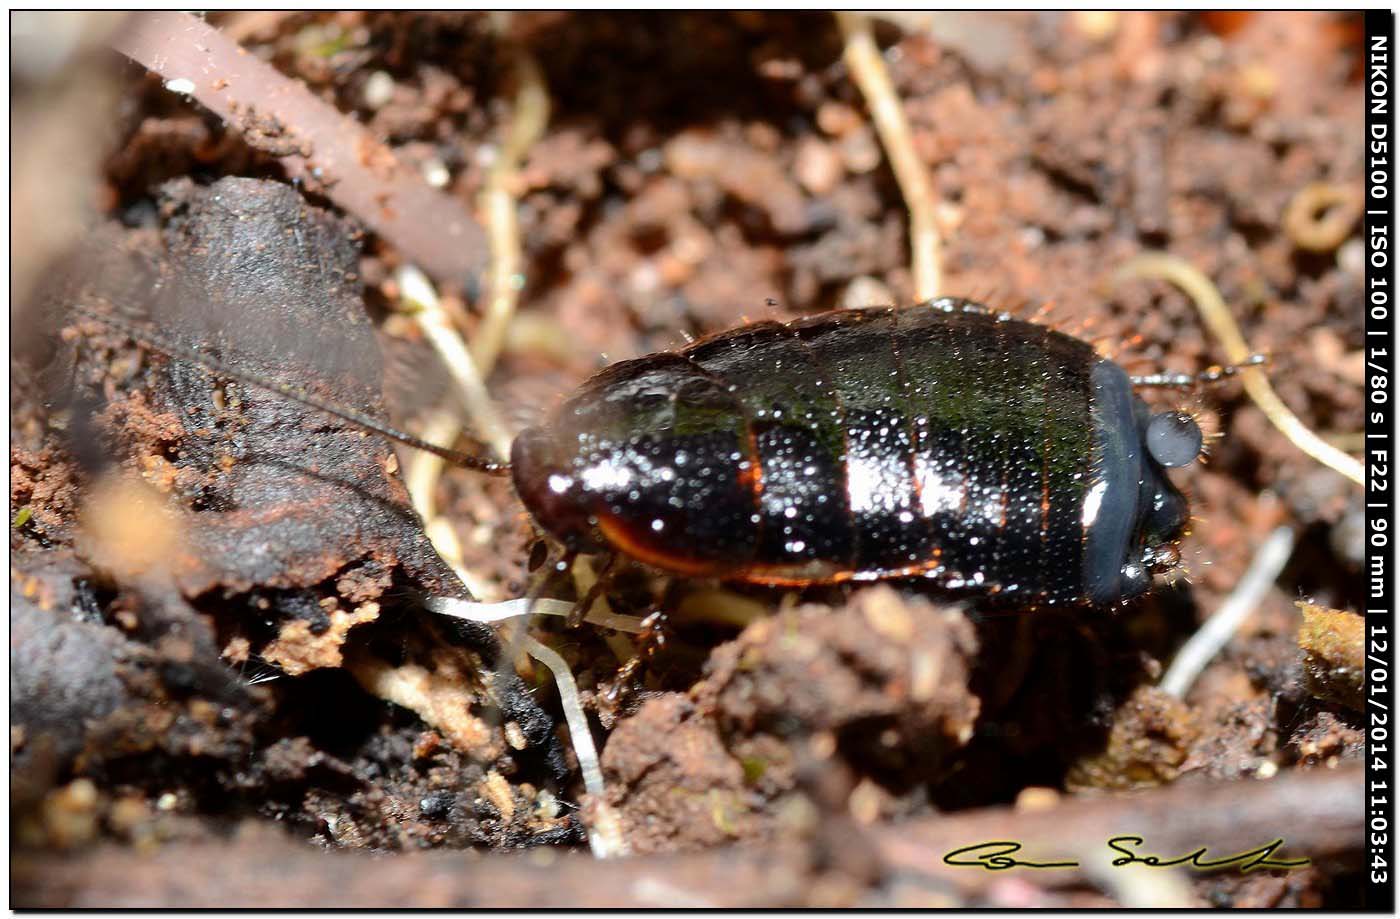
987,454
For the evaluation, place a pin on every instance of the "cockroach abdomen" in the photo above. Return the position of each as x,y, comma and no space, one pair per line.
988,455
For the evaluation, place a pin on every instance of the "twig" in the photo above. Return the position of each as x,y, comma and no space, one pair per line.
1202,647
419,292
868,70
1320,813
424,470
314,142
498,204
1218,318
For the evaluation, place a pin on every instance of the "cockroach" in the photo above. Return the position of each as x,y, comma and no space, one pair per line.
988,456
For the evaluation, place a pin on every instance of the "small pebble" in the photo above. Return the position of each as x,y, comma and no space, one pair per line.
866,291
379,89
866,801
128,815
436,174
817,166
1348,538
1351,257
1037,798
838,119
437,805
1096,25
860,151
546,806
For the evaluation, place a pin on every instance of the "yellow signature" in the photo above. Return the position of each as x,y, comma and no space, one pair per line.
1001,855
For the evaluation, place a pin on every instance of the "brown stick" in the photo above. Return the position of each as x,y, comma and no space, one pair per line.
868,69
267,869
1319,813
314,141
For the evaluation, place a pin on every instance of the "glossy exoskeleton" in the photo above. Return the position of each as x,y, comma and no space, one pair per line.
987,454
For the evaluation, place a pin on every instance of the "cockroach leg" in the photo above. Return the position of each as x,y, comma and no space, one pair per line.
520,629
539,554
585,603
656,629
651,639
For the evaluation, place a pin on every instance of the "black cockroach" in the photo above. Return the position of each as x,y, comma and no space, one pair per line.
989,456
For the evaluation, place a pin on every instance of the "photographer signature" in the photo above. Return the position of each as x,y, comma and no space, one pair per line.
997,855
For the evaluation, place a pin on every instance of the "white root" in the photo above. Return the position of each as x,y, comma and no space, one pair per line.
1208,641
1221,322
499,203
604,837
868,70
509,609
419,292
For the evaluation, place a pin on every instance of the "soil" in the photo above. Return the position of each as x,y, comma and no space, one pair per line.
217,635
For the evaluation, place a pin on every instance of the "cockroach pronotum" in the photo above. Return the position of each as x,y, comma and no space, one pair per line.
983,454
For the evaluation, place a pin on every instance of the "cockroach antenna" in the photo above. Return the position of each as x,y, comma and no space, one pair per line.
158,341
1205,378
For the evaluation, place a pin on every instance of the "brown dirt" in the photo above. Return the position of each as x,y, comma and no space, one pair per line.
698,170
